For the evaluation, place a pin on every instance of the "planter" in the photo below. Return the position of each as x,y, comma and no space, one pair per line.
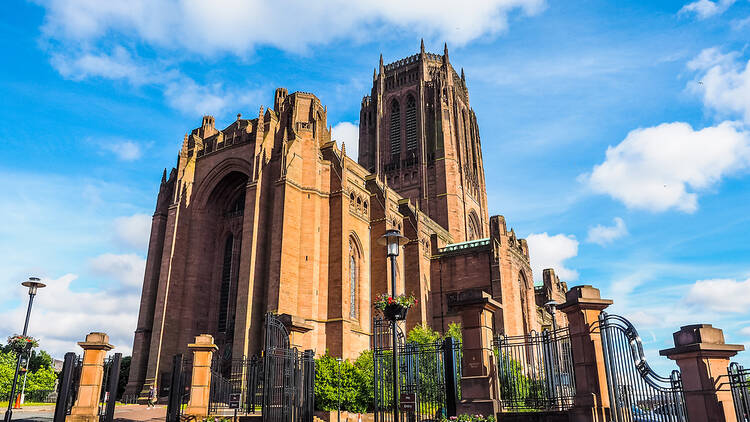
395,312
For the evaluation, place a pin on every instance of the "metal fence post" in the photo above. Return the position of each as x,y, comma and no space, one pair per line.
65,384
114,379
175,389
450,377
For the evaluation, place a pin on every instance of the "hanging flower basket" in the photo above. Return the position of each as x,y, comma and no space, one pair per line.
21,344
395,312
395,308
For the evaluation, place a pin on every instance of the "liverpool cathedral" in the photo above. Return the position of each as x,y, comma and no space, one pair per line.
270,214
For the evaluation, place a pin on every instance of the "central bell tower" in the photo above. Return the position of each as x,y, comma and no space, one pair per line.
419,134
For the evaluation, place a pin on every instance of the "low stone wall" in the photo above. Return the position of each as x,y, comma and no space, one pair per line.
533,416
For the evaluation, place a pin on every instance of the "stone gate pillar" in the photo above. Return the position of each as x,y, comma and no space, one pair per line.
200,385
582,306
703,358
479,388
86,407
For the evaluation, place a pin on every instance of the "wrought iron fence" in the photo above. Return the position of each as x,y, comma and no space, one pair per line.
110,382
636,392
279,383
739,381
535,371
179,387
427,372
68,387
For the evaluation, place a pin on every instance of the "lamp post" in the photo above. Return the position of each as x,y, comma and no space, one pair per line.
556,381
392,239
33,284
551,307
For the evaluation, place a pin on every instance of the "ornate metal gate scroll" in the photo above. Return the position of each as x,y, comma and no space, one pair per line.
636,392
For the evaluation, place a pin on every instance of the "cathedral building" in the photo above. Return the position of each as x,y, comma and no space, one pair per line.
271,215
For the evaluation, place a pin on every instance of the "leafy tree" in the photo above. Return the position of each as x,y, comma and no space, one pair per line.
124,374
40,360
39,378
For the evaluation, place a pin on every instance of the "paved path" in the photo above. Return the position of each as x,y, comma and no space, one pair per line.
132,412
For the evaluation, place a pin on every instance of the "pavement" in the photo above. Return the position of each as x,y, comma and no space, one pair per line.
130,412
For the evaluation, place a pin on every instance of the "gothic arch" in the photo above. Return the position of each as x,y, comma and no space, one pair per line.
356,263
206,189
395,128
411,122
474,227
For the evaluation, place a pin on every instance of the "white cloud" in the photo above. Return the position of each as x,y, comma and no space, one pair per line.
348,133
239,26
604,235
123,149
128,269
720,295
133,231
551,252
745,331
181,92
663,167
706,8
63,314
723,80
118,65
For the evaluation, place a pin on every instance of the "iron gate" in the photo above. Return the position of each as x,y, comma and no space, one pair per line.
179,387
110,381
739,381
535,371
636,392
68,387
280,382
429,372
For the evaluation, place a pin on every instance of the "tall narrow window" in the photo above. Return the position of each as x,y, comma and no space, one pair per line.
226,277
395,128
353,279
411,123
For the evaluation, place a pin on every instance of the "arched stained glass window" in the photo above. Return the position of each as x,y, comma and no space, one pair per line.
353,278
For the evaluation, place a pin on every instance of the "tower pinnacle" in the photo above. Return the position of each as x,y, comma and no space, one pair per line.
421,47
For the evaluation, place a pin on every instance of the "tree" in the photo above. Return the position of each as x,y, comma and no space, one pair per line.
124,375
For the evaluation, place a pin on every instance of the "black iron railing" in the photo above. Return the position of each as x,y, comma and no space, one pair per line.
429,373
535,371
739,380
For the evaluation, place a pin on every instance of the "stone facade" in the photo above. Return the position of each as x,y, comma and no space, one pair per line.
270,215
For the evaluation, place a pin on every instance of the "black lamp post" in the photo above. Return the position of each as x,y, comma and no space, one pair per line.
33,284
551,307
392,239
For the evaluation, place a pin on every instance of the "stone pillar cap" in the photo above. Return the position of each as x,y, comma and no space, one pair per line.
584,294
204,341
701,338
96,341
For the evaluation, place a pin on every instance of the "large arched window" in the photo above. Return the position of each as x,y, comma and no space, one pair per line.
474,228
226,277
395,128
411,123
354,264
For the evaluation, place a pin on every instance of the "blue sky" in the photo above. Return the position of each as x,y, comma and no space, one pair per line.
616,136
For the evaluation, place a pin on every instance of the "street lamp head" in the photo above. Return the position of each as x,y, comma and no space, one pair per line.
33,284
392,239
551,305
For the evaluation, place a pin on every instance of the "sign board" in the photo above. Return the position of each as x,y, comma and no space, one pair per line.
408,402
234,401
